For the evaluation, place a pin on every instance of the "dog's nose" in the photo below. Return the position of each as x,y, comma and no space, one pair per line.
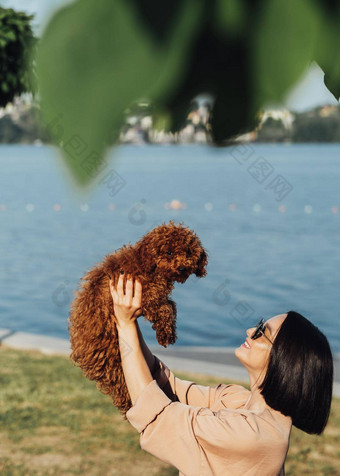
181,268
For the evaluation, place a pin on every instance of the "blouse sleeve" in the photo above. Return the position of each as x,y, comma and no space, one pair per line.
179,434
186,391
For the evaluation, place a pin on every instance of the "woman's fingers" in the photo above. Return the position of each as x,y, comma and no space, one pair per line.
129,288
113,290
127,306
133,290
120,289
137,298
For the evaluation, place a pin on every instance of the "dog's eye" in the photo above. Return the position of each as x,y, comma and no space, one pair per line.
169,253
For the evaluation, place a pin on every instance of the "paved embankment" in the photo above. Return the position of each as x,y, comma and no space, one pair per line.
216,361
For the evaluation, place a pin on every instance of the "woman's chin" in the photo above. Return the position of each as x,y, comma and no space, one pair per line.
238,353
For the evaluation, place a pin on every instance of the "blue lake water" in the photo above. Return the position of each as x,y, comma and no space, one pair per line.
268,215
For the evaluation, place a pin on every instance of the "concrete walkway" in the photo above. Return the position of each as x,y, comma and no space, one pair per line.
215,361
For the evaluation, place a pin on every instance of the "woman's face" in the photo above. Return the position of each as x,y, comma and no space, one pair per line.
254,354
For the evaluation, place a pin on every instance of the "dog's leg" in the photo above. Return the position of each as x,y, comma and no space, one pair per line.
163,318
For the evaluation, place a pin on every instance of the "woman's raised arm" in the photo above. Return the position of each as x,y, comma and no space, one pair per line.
148,355
127,309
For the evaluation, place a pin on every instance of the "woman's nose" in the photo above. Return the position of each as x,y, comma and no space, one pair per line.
250,331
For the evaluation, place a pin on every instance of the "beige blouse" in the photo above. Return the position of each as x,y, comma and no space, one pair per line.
205,431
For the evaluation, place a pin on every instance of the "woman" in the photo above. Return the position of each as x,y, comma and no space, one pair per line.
227,429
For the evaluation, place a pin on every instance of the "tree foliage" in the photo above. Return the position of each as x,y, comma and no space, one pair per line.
95,60
17,43
310,127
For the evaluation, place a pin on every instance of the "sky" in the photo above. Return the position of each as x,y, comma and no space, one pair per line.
309,92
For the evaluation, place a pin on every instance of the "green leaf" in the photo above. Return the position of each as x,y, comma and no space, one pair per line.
11,79
4,87
284,45
9,35
230,16
328,52
93,63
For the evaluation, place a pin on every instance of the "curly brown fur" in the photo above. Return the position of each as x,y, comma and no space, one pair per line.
167,254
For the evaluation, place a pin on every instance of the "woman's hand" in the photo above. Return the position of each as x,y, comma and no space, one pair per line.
127,307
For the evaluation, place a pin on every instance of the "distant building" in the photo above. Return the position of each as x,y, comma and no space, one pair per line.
327,111
283,115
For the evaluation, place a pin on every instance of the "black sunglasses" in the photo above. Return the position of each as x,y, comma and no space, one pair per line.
259,331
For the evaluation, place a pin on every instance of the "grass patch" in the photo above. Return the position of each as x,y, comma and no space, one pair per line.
53,421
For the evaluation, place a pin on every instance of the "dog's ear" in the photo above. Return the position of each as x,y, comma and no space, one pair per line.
200,270
147,251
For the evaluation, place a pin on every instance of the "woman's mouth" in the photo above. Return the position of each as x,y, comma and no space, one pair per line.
246,345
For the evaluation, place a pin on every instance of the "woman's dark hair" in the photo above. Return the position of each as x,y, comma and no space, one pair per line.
299,378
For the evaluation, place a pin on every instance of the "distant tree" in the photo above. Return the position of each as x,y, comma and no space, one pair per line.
10,133
311,127
24,128
17,43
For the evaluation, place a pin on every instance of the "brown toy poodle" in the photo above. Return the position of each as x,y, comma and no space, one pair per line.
166,254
